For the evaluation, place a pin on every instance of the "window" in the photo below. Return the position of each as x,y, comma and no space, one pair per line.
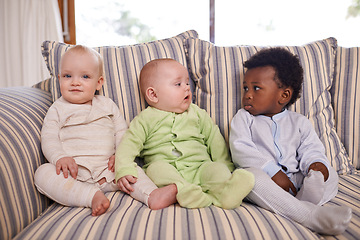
121,22
285,22
257,22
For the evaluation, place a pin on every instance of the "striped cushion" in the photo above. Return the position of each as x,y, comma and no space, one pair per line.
129,219
44,85
22,113
122,67
218,74
348,195
346,101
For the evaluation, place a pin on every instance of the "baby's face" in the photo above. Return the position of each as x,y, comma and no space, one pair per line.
173,88
79,77
261,92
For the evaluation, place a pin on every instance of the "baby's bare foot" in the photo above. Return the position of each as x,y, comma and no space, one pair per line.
162,197
99,204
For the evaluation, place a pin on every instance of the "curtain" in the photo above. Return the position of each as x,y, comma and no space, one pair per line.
24,25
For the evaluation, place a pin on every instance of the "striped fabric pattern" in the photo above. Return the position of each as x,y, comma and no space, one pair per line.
218,73
129,219
346,101
349,195
22,113
122,67
43,85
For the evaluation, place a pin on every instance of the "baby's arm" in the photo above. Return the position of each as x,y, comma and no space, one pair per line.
121,126
67,164
311,151
129,148
51,144
318,166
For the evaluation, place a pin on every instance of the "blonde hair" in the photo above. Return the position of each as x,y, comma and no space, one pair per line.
84,49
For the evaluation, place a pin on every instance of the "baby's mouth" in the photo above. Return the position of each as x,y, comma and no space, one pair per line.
247,107
75,90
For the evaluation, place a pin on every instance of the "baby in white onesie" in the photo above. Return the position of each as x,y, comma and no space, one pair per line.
79,137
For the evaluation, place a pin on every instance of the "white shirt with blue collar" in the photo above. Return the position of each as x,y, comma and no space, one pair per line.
287,141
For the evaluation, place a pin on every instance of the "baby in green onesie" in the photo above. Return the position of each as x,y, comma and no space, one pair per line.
180,144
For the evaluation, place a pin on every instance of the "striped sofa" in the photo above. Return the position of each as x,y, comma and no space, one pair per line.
329,100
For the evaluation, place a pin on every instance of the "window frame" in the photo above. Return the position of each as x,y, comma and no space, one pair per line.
70,34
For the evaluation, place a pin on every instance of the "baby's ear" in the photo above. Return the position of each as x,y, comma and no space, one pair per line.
285,96
151,95
100,82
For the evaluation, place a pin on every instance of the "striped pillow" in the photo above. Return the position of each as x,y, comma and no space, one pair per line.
22,113
43,85
122,65
218,74
346,102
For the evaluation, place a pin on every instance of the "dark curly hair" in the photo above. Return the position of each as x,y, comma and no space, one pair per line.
288,70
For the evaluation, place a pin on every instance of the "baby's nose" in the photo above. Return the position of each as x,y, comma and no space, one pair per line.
75,81
248,95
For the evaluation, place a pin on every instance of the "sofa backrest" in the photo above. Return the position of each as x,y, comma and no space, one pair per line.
346,102
218,73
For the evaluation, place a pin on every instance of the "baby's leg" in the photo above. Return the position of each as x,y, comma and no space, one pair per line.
227,189
331,186
188,195
163,197
147,192
322,219
315,190
313,187
99,204
66,191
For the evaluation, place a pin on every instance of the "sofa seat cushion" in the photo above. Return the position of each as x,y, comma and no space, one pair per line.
22,111
346,100
130,219
218,73
122,65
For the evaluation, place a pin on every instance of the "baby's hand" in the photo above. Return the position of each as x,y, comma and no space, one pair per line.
111,163
318,166
124,183
281,179
67,164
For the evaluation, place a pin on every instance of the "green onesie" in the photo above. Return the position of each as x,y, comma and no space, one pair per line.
188,150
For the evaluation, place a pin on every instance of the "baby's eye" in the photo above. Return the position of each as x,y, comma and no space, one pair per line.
246,89
177,84
256,88
67,76
86,76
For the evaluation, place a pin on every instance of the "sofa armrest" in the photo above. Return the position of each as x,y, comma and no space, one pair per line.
22,110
